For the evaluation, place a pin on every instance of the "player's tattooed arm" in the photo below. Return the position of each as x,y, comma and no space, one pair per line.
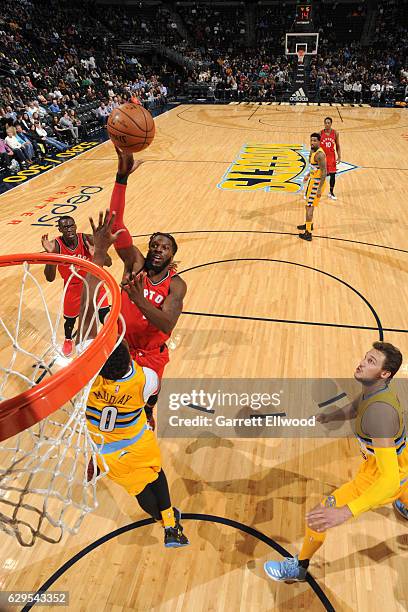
49,246
321,160
166,318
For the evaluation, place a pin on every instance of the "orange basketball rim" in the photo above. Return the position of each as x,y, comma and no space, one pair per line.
34,404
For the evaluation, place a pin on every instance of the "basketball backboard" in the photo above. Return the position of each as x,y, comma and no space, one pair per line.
305,41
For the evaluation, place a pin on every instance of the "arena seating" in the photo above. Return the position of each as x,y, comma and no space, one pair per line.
84,53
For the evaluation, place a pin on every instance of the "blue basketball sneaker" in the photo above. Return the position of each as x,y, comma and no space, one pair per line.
287,570
174,536
401,508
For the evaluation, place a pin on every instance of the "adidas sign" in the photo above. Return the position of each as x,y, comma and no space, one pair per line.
299,96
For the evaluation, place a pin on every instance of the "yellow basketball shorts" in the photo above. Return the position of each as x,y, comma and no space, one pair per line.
135,466
311,198
366,476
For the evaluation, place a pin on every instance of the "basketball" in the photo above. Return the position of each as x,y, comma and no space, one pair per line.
131,127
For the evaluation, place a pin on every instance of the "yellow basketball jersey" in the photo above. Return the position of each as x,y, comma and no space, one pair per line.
114,409
315,171
387,396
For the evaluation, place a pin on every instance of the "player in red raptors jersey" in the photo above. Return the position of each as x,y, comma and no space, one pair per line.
77,245
148,342
153,293
330,143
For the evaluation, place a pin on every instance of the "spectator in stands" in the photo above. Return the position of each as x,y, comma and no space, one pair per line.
389,87
17,148
61,133
30,147
35,117
41,110
163,92
389,93
357,92
348,90
57,94
77,123
31,109
66,123
10,114
25,121
338,94
72,101
44,136
103,113
6,154
54,107
375,90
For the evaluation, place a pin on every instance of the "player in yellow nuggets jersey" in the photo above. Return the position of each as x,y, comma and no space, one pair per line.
316,185
117,422
383,475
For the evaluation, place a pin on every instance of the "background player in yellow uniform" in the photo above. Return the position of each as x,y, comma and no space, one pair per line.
117,421
316,185
383,475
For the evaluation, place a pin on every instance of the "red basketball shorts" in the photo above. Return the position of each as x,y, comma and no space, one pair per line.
156,359
72,299
331,165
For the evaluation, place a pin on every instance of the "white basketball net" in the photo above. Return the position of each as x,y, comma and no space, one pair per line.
44,489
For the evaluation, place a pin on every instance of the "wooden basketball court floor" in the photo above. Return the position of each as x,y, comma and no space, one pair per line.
290,310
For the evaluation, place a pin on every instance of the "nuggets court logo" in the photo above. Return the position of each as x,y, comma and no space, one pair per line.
270,167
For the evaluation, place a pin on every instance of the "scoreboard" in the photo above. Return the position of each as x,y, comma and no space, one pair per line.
303,13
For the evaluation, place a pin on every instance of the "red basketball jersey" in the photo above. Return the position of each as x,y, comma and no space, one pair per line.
141,334
328,144
81,251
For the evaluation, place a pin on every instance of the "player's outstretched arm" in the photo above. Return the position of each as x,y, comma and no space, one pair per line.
89,239
166,318
50,246
341,414
104,235
103,238
380,423
126,164
132,258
